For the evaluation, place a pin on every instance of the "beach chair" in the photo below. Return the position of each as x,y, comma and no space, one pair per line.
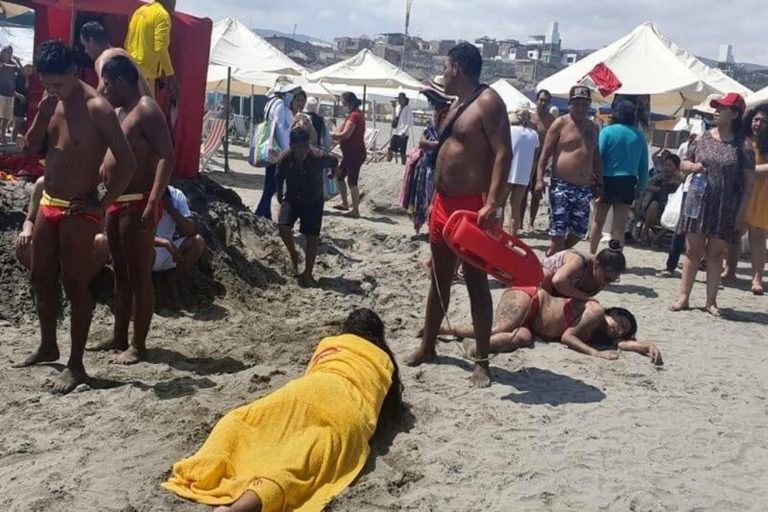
207,122
240,125
371,135
213,141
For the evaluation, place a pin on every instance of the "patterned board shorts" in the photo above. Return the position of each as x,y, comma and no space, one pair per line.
569,208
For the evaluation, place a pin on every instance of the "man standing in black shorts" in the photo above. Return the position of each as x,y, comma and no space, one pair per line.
401,128
302,169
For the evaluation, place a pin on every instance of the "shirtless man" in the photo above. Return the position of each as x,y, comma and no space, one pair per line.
132,218
527,312
472,166
541,120
74,126
576,171
100,253
96,43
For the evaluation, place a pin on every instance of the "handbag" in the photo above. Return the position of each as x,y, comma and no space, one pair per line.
330,184
264,148
671,214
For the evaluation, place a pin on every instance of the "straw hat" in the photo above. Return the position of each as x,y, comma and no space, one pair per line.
705,106
520,115
283,86
435,90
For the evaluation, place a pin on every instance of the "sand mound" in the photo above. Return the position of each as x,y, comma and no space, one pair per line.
241,249
242,252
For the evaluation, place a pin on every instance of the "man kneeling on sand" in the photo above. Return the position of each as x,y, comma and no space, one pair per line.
100,253
302,169
177,244
526,312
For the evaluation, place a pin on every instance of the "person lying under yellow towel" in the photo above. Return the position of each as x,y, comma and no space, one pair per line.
300,446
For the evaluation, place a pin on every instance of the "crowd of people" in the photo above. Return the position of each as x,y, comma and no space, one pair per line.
474,155
121,140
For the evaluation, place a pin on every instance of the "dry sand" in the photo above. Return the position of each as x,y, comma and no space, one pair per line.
556,431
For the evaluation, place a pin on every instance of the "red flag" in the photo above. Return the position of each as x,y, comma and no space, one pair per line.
603,79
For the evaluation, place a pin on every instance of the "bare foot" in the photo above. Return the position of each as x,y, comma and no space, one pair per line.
352,215
757,289
342,207
108,345
481,375
665,273
67,380
680,305
713,310
728,276
130,356
421,356
307,280
39,356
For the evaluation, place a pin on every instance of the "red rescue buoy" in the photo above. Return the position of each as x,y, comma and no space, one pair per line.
496,252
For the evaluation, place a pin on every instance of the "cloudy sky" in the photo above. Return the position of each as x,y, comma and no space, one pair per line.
698,26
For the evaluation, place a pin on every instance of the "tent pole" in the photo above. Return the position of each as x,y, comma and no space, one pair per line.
365,90
226,122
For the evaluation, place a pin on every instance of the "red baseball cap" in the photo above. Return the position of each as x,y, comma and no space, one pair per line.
730,100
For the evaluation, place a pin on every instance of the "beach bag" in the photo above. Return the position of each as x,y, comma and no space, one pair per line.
330,185
671,215
264,148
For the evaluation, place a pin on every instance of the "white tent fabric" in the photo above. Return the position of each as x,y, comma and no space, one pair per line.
646,62
366,69
758,98
513,98
690,125
248,82
23,41
235,45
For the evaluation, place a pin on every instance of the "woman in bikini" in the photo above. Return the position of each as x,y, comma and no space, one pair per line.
580,325
572,274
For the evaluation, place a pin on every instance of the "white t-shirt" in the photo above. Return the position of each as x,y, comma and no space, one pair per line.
524,144
166,228
404,121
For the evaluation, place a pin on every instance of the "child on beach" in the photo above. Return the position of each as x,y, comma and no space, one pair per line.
302,170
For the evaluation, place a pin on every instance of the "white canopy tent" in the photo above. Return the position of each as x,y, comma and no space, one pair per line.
513,98
235,45
758,98
22,39
646,62
366,69
249,83
365,74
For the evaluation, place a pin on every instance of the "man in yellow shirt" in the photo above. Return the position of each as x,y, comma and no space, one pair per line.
148,40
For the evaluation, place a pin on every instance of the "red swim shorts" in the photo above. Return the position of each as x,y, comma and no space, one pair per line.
444,206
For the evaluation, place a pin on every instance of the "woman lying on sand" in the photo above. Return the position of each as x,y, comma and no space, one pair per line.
527,312
300,446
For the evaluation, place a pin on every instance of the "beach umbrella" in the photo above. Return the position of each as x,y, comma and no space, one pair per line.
645,62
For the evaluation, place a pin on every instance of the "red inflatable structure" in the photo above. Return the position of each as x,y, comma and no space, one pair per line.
497,253
190,46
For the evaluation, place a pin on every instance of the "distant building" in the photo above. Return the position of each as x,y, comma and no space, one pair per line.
441,47
488,47
352,45
546,47
725,56
553,34
303,53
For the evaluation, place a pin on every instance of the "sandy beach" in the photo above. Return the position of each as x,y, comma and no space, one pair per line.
557,431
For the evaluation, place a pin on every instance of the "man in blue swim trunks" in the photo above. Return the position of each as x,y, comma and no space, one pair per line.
576,172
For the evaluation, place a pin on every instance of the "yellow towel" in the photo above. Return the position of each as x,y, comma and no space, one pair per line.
303,444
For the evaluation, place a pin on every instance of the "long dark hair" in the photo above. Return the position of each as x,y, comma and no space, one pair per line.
367,324
351,99
760,139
